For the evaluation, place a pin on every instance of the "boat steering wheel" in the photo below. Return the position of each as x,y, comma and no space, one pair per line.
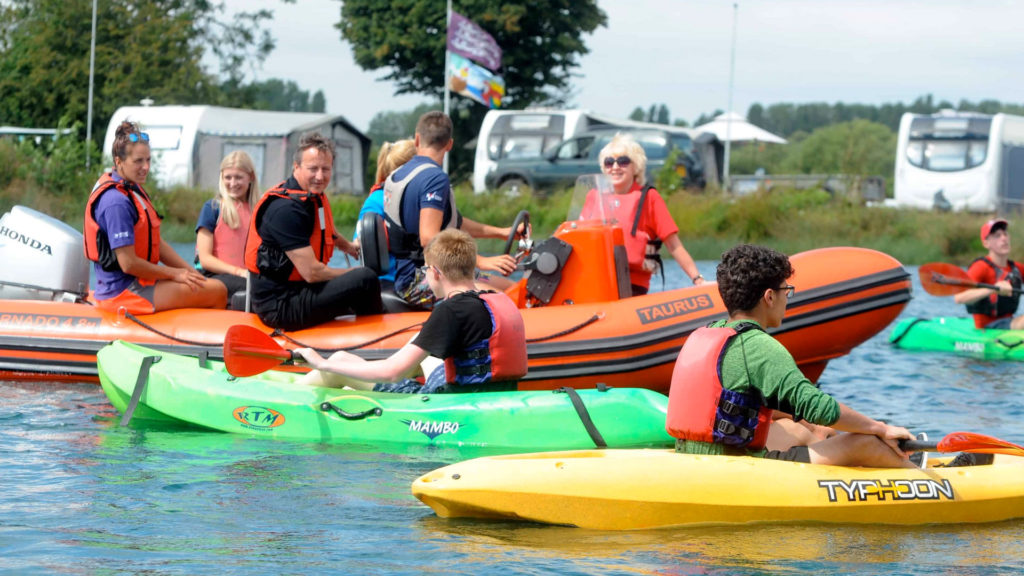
524,246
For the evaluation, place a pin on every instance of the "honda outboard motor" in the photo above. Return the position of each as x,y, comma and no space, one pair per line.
42,258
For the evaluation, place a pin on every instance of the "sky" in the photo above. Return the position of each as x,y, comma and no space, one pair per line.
677,53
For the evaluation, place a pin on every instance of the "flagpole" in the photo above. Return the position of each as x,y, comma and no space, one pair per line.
92,68
728,118
447,95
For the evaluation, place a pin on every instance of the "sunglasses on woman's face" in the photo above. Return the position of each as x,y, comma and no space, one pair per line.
622,161
133,137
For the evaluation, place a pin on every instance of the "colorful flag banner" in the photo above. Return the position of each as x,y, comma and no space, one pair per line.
467,39
475,81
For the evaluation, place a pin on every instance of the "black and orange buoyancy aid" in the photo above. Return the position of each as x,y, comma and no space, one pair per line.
271,261
996,305
700,408
146,230
500,358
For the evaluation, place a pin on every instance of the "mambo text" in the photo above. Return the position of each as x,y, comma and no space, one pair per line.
674,308
432,429
26,240
48,321
977,347
862,490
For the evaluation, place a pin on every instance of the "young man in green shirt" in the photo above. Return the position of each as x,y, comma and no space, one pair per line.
731,375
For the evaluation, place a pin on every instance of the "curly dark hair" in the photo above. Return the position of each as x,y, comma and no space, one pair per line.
746,271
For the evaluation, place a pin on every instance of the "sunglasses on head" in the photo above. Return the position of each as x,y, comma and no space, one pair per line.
621,161
135,137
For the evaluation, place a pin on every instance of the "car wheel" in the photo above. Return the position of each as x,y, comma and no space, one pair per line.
514,187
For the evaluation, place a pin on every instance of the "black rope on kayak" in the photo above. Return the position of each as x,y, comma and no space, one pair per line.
136,319
906,330
300,344
580,326
581,411
140,385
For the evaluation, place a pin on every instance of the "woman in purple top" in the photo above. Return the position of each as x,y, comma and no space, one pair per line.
135,268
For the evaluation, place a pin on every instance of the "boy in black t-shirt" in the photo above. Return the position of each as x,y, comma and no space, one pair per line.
462,329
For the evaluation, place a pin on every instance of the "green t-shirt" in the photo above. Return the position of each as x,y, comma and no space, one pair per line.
756,362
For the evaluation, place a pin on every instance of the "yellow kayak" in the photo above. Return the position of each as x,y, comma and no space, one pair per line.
636,489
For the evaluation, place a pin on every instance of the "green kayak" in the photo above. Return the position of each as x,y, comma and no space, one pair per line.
272,404
958,335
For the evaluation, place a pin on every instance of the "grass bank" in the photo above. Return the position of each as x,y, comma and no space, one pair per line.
46,179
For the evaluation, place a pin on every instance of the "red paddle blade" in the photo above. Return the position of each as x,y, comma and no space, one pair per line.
973,442
248,351
942,279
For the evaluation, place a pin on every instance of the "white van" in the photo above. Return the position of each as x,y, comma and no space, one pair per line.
523,134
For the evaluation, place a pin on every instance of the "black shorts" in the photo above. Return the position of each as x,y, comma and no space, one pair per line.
794,454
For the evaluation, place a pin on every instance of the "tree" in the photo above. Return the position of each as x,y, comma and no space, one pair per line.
637,114
144,49
541,42
663,115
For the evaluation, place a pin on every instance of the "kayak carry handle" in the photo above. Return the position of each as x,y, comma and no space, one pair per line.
328,407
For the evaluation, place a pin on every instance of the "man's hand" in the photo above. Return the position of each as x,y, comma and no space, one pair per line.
503,264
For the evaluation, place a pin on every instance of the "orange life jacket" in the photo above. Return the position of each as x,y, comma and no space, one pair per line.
272,262
700,408
147,226
500,358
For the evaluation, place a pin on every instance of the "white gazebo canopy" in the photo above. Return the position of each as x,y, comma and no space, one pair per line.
738,129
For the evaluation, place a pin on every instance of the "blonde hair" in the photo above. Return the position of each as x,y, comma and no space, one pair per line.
392,155
241,161
454,253
631,148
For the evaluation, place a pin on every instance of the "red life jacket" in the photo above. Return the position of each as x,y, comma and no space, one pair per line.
272,262
500,358
700,409
147,226
997,306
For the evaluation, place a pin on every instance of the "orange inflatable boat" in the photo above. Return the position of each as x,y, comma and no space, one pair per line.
581,330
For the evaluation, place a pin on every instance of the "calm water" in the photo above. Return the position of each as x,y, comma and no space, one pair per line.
79,495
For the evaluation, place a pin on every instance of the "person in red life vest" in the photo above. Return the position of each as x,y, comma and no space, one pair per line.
122,238
731,376
479,336
224,222
641,213
290,243
994,309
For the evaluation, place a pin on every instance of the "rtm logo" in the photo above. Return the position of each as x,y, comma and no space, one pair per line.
258,417
26,240
432,429
881,490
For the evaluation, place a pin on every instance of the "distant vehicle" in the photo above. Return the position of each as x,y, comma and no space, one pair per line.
960,161
562,164
529,134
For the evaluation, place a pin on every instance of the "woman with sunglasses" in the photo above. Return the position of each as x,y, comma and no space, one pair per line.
122,238
641,212
224,222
